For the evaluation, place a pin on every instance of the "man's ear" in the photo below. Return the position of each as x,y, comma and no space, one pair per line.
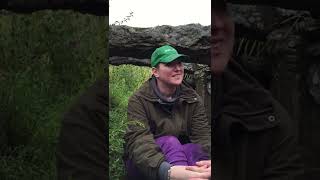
155,72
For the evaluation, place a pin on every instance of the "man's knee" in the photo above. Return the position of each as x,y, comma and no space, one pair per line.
168,141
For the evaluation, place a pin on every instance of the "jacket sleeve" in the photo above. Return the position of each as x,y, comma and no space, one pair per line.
200,127
284,162
140,146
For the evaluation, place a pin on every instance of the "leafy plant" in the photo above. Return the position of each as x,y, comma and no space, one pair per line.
47,59
123,81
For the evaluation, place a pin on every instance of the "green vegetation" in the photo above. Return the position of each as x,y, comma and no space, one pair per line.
123,81
47,59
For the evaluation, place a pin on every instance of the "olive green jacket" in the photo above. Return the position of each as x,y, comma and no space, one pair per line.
254,136
147,120
83,139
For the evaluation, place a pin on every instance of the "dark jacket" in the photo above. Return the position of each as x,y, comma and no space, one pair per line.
253,134
82,145
149,119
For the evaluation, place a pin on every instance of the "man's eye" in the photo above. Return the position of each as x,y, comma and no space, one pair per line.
169,64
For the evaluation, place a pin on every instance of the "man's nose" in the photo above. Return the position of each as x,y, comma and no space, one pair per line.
178,66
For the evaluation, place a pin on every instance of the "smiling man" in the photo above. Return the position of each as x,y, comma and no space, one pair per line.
168,129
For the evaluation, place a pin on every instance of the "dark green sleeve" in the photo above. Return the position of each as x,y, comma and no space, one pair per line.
140,144
82,144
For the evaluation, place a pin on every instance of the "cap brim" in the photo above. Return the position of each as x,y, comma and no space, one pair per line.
173,57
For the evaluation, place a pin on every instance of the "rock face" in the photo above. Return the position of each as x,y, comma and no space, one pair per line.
270,25
139,43
264,19
306,5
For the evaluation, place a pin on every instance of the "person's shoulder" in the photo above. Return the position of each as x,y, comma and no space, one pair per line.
91,106
96,94
143,91
188,92
186,87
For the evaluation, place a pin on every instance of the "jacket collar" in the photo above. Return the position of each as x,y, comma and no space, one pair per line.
162,99
240,97
186,92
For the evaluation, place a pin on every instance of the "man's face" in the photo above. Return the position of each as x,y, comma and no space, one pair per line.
170,74
222,40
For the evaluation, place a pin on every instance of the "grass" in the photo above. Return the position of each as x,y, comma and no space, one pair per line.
123,81
47,59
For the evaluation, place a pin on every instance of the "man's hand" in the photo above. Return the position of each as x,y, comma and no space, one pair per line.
201,167
204,163
181,173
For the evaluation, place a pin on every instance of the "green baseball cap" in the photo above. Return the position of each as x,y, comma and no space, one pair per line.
166,54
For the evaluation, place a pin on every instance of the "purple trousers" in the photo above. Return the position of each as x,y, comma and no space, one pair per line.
175,153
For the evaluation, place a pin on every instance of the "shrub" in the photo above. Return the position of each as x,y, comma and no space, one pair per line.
123,81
